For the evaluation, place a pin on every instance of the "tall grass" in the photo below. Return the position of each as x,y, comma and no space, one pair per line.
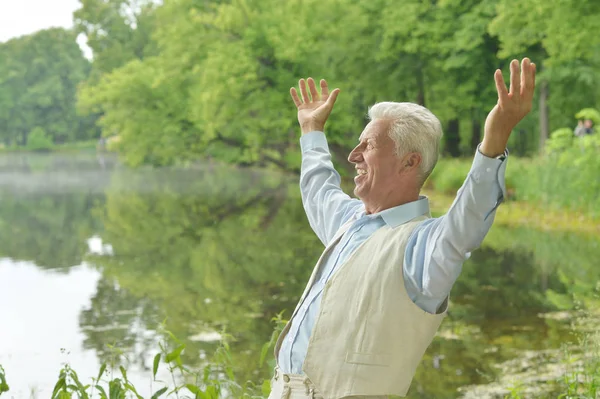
215,380
568,178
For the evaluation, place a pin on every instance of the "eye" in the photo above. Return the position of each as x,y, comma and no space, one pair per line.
369,146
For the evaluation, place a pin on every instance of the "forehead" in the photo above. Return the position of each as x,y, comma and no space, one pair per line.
376,130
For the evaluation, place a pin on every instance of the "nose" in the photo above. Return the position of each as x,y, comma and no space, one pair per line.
355,155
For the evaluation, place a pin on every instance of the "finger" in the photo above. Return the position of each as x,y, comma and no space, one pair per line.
515,86
500,86
324,90
305,97
525,75
533,72
314,94
333,97
529,89
295,97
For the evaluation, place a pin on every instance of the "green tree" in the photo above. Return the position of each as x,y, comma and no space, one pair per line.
117,31
213,79
39,75
561,37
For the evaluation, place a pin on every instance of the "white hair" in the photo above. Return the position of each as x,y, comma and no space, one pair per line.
414,129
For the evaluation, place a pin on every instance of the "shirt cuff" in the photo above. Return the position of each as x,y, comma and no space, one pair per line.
312,140
486,169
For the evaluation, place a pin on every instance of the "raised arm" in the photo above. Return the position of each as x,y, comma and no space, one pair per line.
327,206
438,247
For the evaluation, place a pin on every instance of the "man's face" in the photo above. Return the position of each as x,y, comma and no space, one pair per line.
588,123
376,163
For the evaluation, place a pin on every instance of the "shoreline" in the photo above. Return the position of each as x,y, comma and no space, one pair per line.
525,214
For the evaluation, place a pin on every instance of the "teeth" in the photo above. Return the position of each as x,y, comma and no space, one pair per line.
361,171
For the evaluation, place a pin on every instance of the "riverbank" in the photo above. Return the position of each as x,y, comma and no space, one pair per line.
514,213
87,145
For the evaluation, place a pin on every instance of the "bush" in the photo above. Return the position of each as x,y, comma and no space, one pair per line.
38,140
568,178
560,140
589,113
448,175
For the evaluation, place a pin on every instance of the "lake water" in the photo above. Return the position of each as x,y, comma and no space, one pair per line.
95,257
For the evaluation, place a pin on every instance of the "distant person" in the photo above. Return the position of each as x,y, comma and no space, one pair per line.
588,125
381,289
584,128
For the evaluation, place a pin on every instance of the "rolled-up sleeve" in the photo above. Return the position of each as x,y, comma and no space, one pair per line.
326,205
438,247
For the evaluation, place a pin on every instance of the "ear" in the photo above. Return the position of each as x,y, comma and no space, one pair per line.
411,161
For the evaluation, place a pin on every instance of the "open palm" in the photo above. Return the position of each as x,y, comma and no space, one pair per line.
512,105
313,110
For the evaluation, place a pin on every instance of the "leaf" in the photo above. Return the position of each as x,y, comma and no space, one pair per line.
123,372
155,366
61,383
131,388
102,369
175,354
173,337
158,393
193,388
266,387
102,392
115,389
265,348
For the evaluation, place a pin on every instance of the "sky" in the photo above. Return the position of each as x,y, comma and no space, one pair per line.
21,17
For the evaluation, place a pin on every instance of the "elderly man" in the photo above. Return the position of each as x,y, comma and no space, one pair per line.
381,288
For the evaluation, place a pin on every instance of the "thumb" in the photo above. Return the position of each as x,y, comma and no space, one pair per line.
333,97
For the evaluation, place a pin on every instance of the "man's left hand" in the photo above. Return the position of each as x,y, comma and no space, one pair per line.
511,108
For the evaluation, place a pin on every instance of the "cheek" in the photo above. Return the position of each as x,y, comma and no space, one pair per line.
383,167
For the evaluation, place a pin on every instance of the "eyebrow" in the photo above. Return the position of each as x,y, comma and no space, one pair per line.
368,138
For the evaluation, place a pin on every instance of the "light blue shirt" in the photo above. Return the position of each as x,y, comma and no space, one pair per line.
436,249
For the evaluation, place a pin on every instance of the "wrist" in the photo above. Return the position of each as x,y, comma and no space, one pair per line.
311,127
492,148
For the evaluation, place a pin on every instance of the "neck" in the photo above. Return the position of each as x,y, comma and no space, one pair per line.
391,200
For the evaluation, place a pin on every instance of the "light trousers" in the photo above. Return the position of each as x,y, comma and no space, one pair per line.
293,386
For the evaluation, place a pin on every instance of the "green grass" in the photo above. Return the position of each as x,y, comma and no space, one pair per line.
560,181
65,147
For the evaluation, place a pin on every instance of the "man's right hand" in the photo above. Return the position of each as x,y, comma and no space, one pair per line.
313,111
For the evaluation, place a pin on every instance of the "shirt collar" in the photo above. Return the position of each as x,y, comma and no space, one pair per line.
401,214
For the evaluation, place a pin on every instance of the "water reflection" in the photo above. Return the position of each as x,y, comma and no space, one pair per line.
39,310
213,248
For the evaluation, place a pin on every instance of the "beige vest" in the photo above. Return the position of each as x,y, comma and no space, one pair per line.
369,336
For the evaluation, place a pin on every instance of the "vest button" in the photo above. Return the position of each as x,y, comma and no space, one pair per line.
286,378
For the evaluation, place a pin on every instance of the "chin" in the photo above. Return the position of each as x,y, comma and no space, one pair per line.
357,193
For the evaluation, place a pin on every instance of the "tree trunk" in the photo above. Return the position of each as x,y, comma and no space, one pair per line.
453,138
544,115
475,133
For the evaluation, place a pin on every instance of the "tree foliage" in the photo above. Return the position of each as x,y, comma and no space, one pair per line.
39,75
216,81
181,79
